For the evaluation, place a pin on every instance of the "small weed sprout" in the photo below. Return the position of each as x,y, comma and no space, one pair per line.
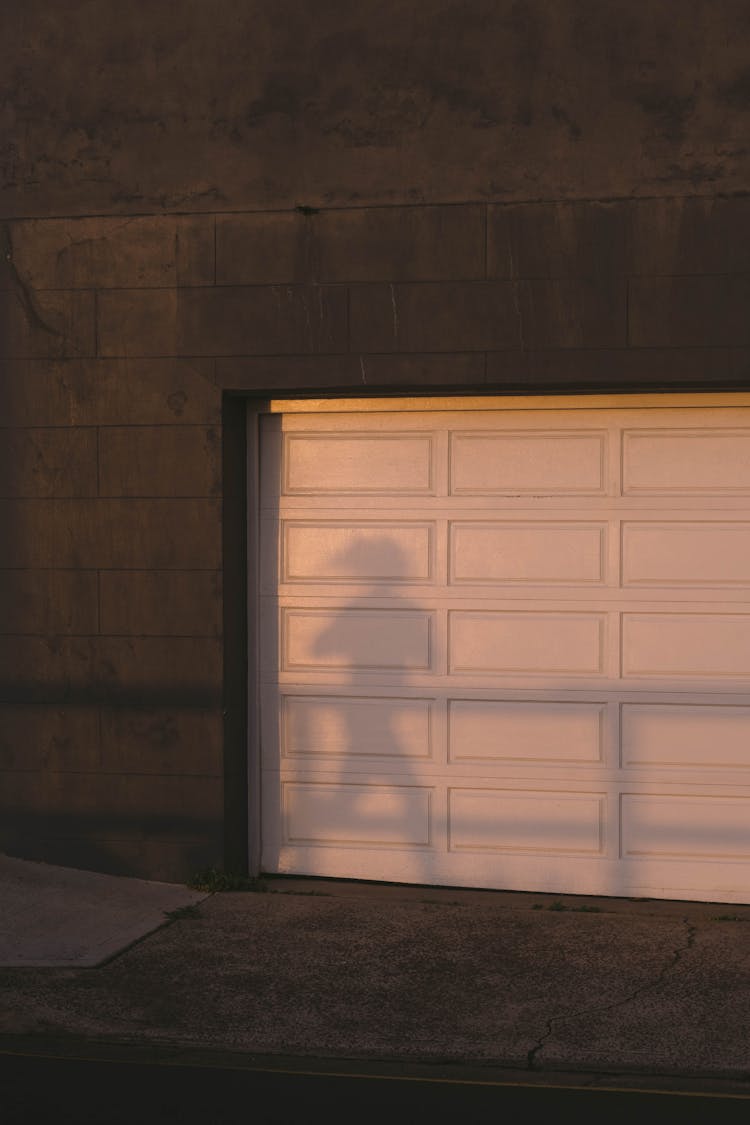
212,880
560,906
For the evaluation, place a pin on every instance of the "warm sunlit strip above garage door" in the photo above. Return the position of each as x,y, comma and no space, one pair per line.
507,644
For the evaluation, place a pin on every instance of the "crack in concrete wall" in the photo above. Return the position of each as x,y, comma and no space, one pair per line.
516,297
25,293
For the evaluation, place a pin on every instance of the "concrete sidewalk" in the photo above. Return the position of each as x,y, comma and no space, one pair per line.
349,971
54,917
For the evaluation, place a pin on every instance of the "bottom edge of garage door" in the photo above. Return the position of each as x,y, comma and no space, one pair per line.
660,879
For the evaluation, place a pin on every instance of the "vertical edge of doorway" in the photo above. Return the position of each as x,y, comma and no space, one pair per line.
254,408
235,633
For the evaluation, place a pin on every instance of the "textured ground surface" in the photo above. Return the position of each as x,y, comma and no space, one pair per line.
317,969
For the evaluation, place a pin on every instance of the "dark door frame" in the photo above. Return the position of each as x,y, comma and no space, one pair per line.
241,412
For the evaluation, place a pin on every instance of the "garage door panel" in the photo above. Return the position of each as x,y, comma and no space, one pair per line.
701,827
327,464
684,553
509,648
691,461
508,820
346,727
376,815
529,643
481,730
697,645
526,553
374,552
703,737
543,462
356,640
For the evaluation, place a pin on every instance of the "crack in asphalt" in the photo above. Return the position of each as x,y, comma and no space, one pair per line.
553,1021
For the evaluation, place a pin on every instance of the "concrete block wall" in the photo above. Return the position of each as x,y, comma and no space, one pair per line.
110,598
249,200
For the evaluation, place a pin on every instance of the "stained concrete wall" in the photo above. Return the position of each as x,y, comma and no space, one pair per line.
236,104
209,200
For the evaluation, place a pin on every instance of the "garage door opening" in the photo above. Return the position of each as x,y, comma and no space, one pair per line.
505,643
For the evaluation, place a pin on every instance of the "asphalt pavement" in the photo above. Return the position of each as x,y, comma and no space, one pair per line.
79,1091
318,970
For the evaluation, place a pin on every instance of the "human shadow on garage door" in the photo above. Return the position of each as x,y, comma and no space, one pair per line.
378,764
351,728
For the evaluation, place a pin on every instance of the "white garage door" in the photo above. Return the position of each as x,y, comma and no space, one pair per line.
509,647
